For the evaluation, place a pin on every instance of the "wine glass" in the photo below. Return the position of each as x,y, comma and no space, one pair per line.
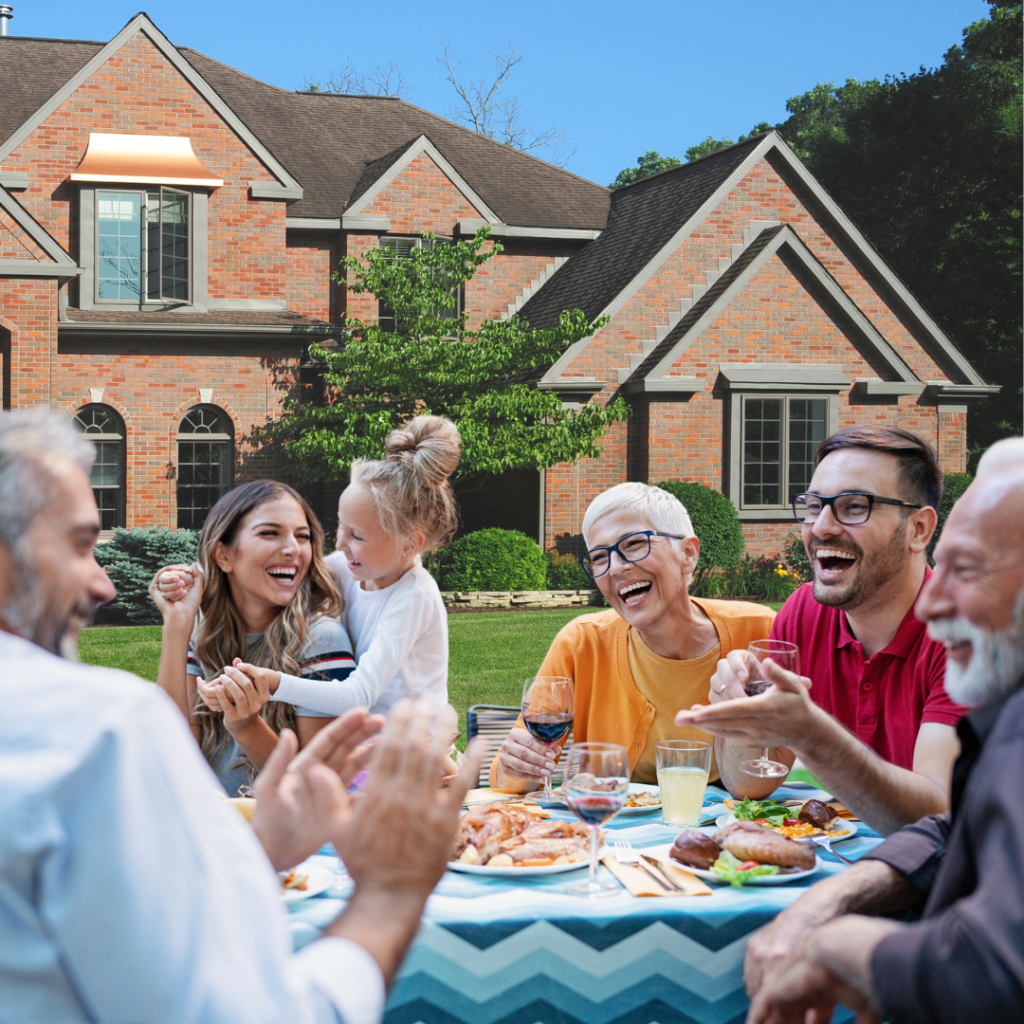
787,656
549,703
596,786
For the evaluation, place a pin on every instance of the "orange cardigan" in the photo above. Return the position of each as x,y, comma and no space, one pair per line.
591,650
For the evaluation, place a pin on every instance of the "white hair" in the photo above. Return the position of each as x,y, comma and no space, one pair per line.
30,440
1003,454
653,506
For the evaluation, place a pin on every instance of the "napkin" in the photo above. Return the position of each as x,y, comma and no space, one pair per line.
639,883
489,796
843,812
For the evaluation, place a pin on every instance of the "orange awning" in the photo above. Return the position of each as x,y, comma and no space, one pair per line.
148,159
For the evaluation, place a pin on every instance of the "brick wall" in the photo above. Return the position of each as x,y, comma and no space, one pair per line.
138,92
28,314
775,319
312,259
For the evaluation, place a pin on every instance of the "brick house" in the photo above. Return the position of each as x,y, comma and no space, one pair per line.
168,228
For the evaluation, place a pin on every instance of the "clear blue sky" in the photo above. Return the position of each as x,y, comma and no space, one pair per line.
620,77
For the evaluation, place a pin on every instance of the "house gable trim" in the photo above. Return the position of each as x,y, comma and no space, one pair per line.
499,230
704,313
62,266
141,23
422,146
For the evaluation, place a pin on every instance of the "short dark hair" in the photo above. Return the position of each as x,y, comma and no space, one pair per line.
919,470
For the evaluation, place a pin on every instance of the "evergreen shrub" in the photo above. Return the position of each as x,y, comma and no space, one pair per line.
953,487
494,559
566,573
131,558
716,524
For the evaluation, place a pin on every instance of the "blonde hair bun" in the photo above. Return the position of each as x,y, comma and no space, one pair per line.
429,446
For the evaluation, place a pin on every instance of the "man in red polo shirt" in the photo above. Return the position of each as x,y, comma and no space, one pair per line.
870,718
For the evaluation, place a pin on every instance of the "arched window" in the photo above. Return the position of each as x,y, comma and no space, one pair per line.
105,429
206,455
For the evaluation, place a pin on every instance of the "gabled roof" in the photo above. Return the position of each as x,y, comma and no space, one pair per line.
653,374
328,140
603,276
59,264
385,173
21,61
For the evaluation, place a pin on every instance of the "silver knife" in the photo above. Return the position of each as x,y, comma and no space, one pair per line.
656,878
662,871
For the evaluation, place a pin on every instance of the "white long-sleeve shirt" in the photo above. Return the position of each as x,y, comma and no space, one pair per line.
400,636
130,890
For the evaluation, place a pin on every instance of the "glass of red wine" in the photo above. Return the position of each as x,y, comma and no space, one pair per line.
549,703
787,656
596,786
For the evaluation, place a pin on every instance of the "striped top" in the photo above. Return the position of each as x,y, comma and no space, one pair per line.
327,654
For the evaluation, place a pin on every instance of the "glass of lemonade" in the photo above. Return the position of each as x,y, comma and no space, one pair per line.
683,768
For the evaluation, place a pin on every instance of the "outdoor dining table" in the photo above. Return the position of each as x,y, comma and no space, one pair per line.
499,951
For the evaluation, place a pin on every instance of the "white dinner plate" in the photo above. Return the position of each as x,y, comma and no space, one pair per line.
784,876
318,879
849,827
514,872
640,787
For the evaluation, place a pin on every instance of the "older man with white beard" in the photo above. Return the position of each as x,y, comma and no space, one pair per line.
964,959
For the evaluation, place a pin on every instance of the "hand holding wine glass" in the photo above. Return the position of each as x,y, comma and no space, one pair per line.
787,656
596,787
549,704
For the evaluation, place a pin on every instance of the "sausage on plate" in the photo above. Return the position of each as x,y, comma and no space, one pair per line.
695,849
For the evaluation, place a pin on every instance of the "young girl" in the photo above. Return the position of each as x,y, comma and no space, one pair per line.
393,511
267,604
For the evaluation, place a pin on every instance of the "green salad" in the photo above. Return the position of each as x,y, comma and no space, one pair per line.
730,869
771,810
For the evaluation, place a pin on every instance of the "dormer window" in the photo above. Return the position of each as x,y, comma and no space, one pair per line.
143,230
143,245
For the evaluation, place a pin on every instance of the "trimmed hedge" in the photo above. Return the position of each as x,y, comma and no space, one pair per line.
566,573
715,522
494,559
131,558
953,487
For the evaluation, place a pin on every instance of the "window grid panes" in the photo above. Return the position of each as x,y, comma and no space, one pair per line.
105,429
402,248
772,427
119,230
160,270
205,458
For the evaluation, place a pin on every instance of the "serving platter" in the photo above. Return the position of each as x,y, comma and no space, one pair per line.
523,872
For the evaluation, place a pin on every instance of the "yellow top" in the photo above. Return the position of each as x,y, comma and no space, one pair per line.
592,651
670,686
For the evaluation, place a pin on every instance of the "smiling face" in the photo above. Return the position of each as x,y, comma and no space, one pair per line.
853,565
642,592
267,560
974,602
374,557
51,587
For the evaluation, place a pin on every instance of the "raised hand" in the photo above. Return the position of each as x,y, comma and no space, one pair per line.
287,820
177,590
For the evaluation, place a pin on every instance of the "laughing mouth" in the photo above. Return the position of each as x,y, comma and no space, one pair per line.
630,593
832,561
283,572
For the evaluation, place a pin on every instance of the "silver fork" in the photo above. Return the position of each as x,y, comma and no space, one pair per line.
825,842
625,854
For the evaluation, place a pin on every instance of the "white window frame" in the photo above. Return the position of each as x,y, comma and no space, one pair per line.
415,242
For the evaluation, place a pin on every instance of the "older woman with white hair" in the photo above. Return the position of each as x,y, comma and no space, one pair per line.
653,653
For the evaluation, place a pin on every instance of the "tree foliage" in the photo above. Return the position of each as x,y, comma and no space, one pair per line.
426,360
650,163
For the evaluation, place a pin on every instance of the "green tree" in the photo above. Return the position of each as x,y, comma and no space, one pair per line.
424,359
707,147
650,163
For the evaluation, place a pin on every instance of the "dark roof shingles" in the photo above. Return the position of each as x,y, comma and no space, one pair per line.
642,219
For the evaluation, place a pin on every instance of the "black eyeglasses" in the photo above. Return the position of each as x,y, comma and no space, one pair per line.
634,547
849,508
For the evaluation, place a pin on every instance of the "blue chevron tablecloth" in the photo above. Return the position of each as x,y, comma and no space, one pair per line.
494,952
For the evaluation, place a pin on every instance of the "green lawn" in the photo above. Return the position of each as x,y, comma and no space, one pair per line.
491,653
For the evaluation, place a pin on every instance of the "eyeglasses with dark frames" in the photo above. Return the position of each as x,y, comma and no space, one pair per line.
849,508
634,547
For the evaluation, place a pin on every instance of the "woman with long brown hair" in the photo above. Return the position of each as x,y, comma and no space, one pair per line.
259,603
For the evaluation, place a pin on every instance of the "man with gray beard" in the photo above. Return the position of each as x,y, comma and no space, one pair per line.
964,959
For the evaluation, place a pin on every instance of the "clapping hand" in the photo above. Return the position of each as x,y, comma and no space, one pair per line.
287,819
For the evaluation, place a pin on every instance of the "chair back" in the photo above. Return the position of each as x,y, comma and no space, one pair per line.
492,723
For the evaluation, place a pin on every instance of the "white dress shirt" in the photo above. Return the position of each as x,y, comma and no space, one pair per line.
130,890
400,636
